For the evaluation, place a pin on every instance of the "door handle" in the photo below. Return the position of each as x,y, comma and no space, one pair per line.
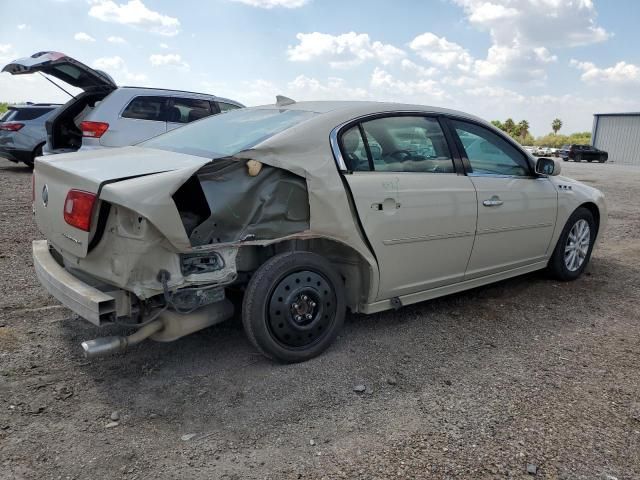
493,202
389,204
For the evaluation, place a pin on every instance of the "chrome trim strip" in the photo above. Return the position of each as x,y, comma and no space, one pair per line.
508,229
427,238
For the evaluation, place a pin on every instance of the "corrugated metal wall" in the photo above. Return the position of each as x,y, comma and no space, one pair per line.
620,136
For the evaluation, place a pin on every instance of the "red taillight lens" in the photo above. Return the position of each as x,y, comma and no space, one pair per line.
11,126
78,207
93,129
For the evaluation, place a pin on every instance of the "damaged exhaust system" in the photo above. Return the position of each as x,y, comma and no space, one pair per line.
108,345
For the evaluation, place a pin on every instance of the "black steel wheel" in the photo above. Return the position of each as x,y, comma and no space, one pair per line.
294,306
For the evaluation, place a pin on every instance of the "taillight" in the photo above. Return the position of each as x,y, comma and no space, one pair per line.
93,129
78,207
11,126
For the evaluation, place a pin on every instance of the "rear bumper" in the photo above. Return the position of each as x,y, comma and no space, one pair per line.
88,302
15,155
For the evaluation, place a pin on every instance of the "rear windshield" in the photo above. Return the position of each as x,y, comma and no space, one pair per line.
30,113
228,134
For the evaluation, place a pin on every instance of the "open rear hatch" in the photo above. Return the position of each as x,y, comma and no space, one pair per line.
64,68
59,214
63,133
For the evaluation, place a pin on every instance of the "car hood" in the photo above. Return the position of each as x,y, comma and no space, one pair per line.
64,68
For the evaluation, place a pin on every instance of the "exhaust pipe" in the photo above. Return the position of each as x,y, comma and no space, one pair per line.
108,345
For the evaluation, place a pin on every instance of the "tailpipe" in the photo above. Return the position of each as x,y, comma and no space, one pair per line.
108,345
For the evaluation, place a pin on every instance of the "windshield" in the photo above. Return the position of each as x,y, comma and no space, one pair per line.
228,133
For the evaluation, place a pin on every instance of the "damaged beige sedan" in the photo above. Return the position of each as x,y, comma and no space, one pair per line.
300,212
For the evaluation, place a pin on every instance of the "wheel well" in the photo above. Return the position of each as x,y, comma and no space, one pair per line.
595,211
351,266
33,152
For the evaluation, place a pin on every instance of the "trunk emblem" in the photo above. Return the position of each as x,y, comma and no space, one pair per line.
45,195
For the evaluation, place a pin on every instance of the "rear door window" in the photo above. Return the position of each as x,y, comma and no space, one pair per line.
147,108
186,110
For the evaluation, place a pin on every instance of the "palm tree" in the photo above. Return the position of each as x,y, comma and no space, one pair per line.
509,125
497,124
523,126
556,125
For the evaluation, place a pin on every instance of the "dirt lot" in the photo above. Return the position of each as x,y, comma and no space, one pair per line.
527,373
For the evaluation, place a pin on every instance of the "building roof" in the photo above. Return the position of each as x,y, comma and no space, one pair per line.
621,114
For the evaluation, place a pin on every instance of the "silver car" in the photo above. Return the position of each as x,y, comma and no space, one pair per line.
308,209
106,115
23,133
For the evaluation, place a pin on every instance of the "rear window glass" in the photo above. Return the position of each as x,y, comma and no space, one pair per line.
228,134
147,108
30,113
6,115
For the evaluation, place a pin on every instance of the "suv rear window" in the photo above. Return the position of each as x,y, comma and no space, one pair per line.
29,113
147,108
225,107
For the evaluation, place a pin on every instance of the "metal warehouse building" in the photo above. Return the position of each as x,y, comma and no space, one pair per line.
618,134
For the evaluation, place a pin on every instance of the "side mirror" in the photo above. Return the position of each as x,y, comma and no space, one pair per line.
548,166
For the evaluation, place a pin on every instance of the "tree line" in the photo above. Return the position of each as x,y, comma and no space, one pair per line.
520,132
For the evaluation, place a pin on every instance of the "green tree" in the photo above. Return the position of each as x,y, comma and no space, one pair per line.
497,124
556,125
509,126
3,107
523,129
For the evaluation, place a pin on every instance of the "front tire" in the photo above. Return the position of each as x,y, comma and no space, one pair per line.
573,250
294,306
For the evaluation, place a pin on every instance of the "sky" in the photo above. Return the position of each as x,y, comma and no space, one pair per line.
524,59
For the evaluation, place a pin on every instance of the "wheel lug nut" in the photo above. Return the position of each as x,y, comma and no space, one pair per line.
298,318
304,297
295,305
308,316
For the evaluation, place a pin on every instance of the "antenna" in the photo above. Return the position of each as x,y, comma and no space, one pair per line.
49,80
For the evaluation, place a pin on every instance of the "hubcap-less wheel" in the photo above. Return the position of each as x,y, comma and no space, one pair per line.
577,247
301,309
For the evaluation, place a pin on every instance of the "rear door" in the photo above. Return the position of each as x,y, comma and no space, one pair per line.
184,110
516,208
142,118
417,211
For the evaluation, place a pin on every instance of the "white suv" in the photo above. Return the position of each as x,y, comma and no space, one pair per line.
106,115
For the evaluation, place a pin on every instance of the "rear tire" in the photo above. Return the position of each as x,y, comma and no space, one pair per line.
602,159
293,307
573,250
37,152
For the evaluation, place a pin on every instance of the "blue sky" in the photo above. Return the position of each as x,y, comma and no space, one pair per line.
526,59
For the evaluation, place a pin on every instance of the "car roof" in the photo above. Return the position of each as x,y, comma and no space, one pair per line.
33,105
169,91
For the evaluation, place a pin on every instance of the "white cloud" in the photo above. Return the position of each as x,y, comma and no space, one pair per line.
83,37
306,88
523,31
441,52
118,40
274,3
6,52
345,50
170,59
622,73
117,68
409,66
136,14
164,45
23,26
423,90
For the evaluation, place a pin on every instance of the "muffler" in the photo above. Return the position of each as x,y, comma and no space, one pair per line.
169,326
108,345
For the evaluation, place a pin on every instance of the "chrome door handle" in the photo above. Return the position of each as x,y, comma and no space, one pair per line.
493,202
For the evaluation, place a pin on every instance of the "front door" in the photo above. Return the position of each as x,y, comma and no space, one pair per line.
417,212
516,208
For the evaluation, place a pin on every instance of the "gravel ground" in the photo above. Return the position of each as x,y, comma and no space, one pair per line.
525,375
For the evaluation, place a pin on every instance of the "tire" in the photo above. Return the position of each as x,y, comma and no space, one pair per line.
565,159
37,152
561,264
293,307
602,159
590,160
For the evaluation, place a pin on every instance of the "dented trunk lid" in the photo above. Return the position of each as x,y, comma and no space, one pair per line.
91,171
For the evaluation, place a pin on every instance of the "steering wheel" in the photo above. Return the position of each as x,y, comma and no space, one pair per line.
400,155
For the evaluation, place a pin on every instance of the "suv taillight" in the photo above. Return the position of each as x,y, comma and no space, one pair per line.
78,207
93,129
11,126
